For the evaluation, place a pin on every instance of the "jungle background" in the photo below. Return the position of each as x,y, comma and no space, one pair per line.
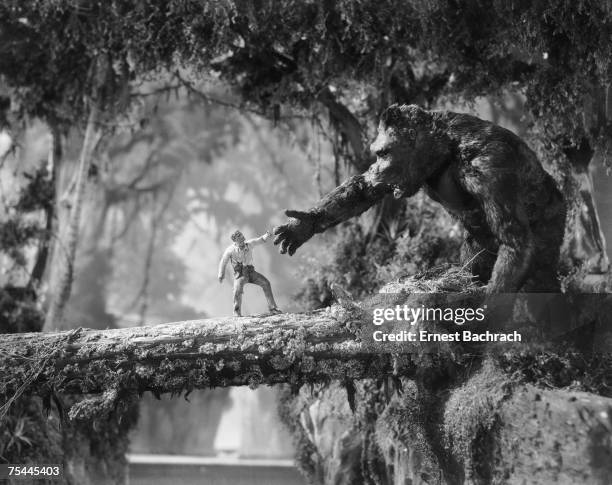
136,136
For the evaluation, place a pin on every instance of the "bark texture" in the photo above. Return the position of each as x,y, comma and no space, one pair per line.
179,357
61,292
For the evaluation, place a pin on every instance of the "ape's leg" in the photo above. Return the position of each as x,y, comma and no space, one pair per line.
504,197
478,259
511,268
543,278
544,274
549,229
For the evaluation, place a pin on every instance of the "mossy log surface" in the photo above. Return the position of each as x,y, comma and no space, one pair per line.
552,436
502,432
179,357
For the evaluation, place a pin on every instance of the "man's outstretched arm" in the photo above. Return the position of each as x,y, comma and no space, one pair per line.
350,199
259,240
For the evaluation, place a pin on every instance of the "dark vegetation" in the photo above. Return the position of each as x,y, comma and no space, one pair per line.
19,309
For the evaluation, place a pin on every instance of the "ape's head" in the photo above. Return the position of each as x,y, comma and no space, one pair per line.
398,131
404,147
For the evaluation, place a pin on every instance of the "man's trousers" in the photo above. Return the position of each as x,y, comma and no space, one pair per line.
247,274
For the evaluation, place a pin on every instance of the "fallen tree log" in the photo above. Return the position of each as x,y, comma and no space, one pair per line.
288,348
180,357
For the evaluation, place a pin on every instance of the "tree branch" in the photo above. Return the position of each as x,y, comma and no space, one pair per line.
348,125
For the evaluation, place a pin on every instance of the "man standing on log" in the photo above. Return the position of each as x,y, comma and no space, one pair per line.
241,257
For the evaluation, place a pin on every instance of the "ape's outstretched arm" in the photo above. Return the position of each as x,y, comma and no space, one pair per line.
350,199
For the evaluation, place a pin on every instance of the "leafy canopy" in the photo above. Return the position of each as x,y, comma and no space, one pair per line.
278,53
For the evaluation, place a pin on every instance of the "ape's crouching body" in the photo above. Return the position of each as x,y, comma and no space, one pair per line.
481,173
511,208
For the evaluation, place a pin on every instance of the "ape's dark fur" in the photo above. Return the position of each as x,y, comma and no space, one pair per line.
484,175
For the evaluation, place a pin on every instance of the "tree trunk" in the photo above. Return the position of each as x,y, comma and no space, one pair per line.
68,247
585,244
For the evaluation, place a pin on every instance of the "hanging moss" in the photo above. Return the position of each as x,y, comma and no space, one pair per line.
470,417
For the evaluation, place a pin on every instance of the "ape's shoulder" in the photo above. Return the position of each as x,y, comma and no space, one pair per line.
462,122
415,117
440,133
470,129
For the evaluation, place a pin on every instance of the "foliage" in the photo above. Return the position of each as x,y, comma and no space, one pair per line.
19,232
38,193
470,415
19,311
15,235
34,432
552,367
28,436
287,53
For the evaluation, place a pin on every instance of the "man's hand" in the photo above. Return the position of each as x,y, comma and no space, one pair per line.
221,276
296,232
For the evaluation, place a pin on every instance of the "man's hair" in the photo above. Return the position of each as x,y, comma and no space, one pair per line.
235,235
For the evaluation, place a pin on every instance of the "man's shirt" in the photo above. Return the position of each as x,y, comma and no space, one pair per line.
243,255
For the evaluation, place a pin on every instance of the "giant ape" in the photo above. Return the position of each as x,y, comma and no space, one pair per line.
483,174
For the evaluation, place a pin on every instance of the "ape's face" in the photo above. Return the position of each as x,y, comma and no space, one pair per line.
394,148
393,141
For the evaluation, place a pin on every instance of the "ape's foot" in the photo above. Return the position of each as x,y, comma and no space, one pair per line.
275,311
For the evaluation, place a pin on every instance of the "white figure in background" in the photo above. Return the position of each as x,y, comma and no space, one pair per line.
240,255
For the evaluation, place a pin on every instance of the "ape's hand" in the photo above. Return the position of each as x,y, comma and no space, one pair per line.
296,232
